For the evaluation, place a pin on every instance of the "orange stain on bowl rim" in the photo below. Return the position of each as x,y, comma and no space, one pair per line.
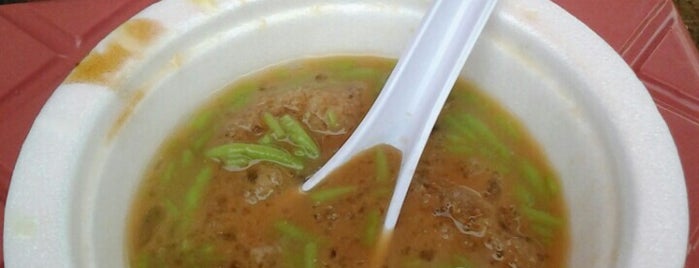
126,113
102,67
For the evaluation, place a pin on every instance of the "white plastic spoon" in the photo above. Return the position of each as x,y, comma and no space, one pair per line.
405,112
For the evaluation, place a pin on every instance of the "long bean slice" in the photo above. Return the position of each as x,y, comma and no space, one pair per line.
167,174
236,156
187,157
332,120
461,261
292,231
265,139
299,136
523,196
242,95
458,129
202,120
542,231
359,74
310,255
533,178
371,228
484,132
324,195
538,216
200,141
382,170
197,190
273,124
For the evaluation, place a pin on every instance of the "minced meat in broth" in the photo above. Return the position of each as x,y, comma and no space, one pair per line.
224,189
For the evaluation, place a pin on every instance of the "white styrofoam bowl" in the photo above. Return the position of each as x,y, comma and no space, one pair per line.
88,149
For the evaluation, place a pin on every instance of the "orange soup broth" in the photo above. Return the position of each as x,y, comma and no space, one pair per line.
482,196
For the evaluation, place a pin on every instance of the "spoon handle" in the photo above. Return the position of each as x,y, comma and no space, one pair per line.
430,69
414,94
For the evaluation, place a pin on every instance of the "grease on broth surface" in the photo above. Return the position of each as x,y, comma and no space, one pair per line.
224,189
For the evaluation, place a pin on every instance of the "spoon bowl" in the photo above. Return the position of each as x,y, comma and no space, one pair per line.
407,108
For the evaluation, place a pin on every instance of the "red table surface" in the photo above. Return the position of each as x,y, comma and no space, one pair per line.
40,42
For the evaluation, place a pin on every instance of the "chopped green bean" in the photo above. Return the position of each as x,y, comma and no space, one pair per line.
202,139
551,185
359,73
172,210
242,94
543,231
299,137
485,133
167,174
324,195
523,196
292,231
382,170
187,157
143,261
458,129
201,120
533,178
195,192
462,262
310,255
332,119
242,155
273,124
266,139
383,191
342,64
467,96
371,228
538,216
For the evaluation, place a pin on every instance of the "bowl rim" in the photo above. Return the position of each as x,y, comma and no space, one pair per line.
566,28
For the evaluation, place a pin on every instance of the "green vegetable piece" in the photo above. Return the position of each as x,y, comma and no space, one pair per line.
143,261
242,155
508,127
523,196
299,137
202,140
332,119
241,95
541,217
201,120
266,139
458,130
324,195
172,210
342,64
167,174
187,157
292,231
195,192
482,130
371,228
551,185
382,170
361,73
462,261
273,124
533,178
310,255
543,231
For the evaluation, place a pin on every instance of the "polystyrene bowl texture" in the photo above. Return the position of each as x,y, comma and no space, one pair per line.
89,147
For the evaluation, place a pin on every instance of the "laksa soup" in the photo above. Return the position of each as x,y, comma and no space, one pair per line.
224,189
